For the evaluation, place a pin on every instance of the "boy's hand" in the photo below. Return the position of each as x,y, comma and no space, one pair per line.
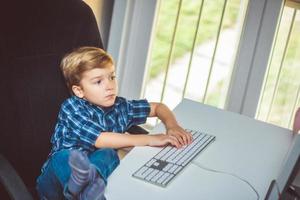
296,125
180,134
159,140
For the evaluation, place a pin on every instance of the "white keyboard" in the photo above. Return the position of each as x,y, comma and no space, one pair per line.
165,165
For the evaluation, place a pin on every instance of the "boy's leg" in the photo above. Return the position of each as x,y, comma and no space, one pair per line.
51,182
66,175
85,182
82,172
105,161
95,190
55,178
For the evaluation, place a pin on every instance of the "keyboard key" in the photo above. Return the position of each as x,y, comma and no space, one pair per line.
163,152
172,170
163,178
168,154
152,174
166,181
150,162
157,176
168,167
141,172
178,169
148,171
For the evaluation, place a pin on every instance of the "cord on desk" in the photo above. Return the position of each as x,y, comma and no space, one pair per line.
227,173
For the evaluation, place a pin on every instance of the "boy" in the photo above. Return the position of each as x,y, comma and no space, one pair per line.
88,129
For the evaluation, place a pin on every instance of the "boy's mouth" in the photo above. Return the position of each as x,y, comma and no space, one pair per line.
110,96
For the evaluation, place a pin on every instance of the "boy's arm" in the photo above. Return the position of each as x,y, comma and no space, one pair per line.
172,127
117,140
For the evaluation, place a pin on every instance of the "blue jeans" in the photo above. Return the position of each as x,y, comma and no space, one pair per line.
52,183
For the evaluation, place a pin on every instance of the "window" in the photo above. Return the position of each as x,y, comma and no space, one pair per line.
193,51
280,94
225,53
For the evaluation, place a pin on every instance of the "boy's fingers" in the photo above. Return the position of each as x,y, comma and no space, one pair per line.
190,137
182,136
180,139
173,140
186,137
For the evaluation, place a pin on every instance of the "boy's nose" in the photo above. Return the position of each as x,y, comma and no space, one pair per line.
110,85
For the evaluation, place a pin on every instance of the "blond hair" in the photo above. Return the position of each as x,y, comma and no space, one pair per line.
74,64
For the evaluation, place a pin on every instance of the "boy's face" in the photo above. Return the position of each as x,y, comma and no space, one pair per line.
98,86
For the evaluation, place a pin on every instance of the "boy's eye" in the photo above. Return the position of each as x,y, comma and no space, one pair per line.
98,82
113,77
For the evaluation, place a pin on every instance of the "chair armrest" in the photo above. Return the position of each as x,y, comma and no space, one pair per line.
137,130
12,182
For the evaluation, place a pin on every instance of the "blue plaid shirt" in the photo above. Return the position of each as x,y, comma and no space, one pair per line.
80,123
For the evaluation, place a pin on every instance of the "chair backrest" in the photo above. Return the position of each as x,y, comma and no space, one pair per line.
31,82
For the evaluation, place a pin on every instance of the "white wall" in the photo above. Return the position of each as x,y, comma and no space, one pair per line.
103,12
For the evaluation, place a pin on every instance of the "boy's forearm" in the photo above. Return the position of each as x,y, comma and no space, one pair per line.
173,129
165,115
117,140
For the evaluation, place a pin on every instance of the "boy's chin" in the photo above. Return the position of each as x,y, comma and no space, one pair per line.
108,104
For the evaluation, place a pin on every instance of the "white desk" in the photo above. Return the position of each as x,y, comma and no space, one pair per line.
250,149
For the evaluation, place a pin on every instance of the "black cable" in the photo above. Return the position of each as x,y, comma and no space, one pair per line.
227,173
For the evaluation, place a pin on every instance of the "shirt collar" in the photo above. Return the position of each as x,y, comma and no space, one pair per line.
91,105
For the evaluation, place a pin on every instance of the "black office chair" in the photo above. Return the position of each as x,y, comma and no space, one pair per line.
13,187
38,35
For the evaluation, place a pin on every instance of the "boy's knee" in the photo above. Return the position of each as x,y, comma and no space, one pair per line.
60,156
59,165
101,158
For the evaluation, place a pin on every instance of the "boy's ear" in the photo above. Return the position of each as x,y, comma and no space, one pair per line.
77,90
